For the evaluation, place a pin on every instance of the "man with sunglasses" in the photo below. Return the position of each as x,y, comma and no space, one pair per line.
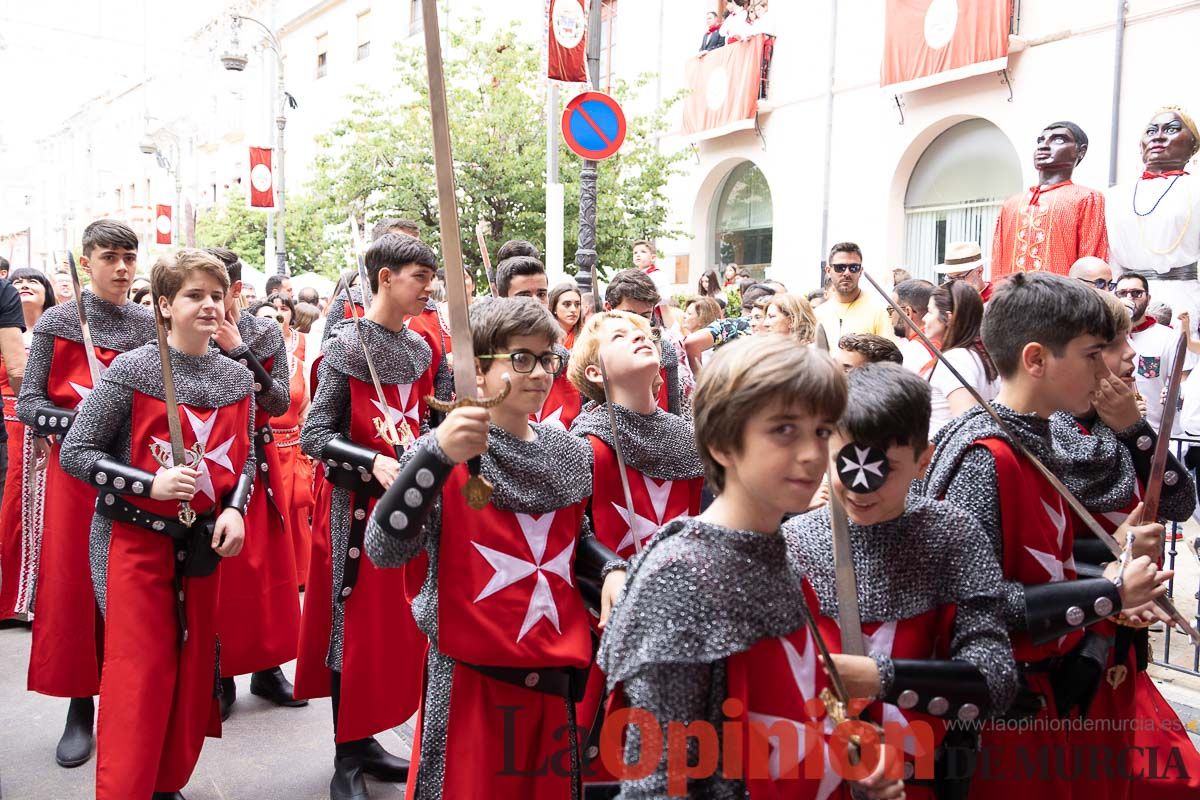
1154,343
1095,272
849,309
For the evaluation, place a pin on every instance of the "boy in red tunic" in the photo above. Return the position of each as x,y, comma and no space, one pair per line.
351,645
712,630
65,657
1045,334
509,637
259,613
156,575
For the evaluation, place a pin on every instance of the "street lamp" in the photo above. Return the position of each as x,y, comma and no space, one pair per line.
235,61
169,162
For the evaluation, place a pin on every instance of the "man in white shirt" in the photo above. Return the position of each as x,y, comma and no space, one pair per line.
912,296
1155,345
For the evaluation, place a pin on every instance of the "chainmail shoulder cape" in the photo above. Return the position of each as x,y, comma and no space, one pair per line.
1099,468
113,327
337,309
660,444
263,336
536,477
207,381
400,357
931,555
961,434
699,593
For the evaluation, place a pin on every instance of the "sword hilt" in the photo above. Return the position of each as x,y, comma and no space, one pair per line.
478,490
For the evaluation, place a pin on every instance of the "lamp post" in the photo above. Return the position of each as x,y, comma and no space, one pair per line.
234,61
169,162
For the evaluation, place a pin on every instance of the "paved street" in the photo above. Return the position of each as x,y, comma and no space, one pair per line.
266,753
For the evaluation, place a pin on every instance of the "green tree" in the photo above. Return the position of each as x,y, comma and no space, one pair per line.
379,159
236,226
244,230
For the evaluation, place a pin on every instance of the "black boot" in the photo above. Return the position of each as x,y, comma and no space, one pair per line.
228,696
348,782
270,684
375,761
75,746
168,796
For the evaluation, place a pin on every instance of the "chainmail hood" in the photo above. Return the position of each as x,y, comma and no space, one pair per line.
933,554
113,327
953,441
263,336
400,357
207,381
698,594
660,445
551,472
1099,468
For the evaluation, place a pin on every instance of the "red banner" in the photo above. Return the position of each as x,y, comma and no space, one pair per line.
724,87
162,224
568,41
943,38
262,178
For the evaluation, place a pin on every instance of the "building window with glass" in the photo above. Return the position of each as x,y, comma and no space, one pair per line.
322,55
743,221
364,36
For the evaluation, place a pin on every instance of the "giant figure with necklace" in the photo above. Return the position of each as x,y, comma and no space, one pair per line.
1154,222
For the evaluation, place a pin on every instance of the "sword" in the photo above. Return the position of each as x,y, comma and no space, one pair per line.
93,361
478,490
178,455
388,431
849,617
1080,510
487,259
1162,448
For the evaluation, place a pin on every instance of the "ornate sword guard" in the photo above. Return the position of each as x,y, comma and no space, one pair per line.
478,490
191,457
403,433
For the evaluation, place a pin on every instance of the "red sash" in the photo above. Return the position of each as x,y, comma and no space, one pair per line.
506,585
655,503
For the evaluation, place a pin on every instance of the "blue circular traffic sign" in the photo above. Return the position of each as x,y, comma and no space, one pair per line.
593,125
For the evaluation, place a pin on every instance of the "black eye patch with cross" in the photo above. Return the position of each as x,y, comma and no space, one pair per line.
862,469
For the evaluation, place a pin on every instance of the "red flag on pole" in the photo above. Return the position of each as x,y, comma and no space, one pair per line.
162,224
568,41
262,179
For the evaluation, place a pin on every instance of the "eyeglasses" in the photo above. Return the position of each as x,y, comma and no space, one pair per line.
523,361
1100,283
840,268
1132,294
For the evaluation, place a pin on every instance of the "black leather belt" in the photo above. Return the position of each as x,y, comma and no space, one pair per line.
354,544
263,437
194,556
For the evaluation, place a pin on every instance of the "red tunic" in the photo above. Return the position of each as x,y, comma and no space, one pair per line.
157,698
507,598
1038,544
1049,229
20,514
295,467
259,614
383,650
64,660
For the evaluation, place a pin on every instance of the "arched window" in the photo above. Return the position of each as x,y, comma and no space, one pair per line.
955,193
743,220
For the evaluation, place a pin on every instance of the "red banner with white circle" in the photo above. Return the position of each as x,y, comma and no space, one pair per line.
262,178
934,41
568,41
162,224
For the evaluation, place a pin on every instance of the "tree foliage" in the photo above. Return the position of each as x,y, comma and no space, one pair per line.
379,159
244,230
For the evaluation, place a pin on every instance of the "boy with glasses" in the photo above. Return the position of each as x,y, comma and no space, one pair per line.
1155,346
848,310
510,640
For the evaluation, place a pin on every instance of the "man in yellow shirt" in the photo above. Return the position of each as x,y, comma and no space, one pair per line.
848,310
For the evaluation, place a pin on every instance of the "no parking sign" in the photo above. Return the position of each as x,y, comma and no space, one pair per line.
593,126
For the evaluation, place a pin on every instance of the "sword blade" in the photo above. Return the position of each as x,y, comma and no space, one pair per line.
849,616
93,361
360,263
1080,510
169,397
487,262
452,259
1162,448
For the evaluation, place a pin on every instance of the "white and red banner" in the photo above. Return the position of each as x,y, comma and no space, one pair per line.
162,224
927,42
262,178
568,41
724,88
